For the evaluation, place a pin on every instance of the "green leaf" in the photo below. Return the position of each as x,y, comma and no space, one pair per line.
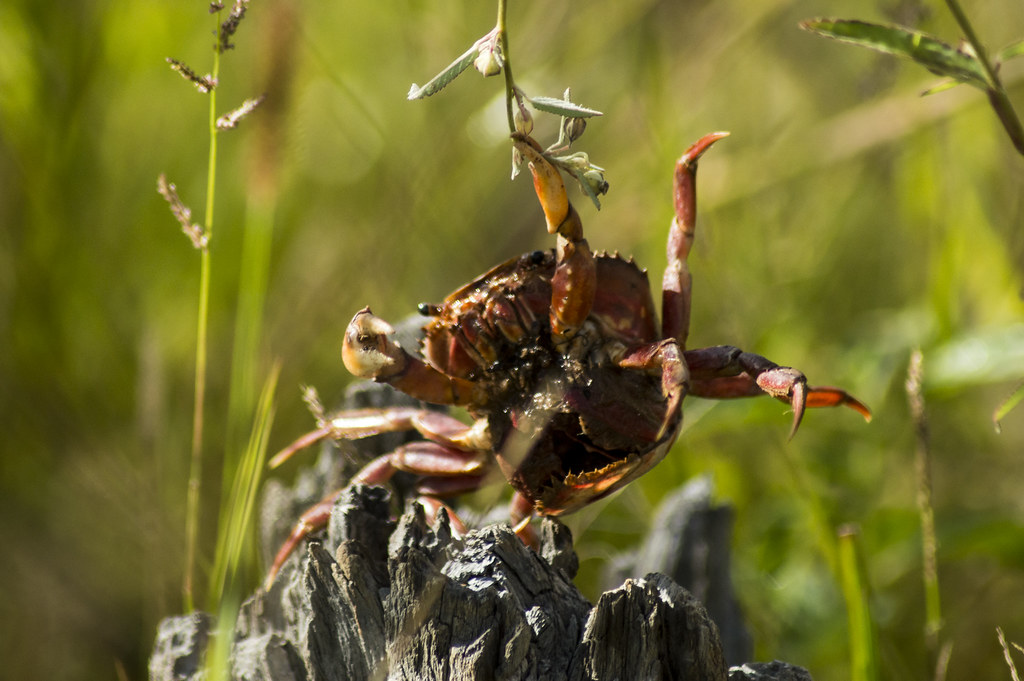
1010,51
562,107
928,51
1007,406
438,82
940,87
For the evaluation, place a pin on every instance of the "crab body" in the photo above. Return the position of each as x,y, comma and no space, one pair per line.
573,386
558,415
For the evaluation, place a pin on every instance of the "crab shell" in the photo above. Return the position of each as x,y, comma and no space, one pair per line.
568,424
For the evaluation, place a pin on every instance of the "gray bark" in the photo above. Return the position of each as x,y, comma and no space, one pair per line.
377,599
690,542
407,601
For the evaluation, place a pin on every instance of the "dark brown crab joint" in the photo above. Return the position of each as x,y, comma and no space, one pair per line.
557,355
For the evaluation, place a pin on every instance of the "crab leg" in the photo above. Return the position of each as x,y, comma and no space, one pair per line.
521,512
676,284
451,461
426,459
574,284
723,372
666,358
368,353
465,478
310,521
355,424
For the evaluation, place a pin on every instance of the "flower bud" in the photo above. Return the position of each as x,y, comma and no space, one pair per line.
487,62
574,128
578,162
595,180
523,119
517,162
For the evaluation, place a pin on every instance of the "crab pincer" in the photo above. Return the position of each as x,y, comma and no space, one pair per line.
368,352
574,284
676,284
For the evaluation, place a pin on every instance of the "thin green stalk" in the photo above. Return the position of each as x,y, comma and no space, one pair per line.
510,83
1006,654
195,466
997,96
929,543
972,38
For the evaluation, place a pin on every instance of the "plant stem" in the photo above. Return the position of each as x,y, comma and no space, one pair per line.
929,544
997,96
195,466
510,83
972,38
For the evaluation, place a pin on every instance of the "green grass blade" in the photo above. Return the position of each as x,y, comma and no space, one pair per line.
218,654
1006,407
863,647
1010,51
237,512
928,51
252,293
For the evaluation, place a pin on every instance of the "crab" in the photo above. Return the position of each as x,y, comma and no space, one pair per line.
557,356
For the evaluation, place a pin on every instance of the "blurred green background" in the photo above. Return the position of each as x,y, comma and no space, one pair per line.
845,222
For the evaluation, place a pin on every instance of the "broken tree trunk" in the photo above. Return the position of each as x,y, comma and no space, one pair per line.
382,599
405,601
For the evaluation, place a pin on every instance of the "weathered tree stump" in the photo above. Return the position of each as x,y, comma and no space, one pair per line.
689,542
382,599
405,601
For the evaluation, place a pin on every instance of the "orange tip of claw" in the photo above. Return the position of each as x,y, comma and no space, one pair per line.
547,183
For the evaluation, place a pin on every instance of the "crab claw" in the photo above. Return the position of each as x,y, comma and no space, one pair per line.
367,352
814,396
798,398
574,284
559,215
789,385
827,396
698,148
686,180
674,378
662,358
